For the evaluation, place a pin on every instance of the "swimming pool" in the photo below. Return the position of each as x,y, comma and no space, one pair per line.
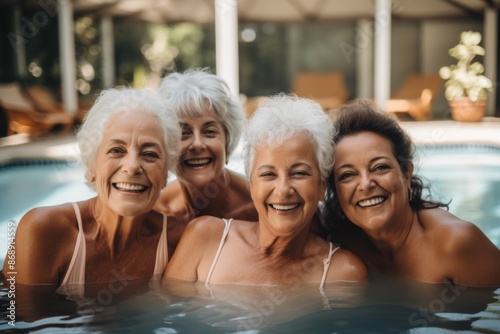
468,175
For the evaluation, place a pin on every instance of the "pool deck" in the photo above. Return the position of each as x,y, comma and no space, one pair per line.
429,133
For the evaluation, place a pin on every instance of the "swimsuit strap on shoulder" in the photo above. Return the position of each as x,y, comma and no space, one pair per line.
221,244
326,265
76,269
162,250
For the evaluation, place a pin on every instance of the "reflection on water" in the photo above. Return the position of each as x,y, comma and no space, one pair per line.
180,307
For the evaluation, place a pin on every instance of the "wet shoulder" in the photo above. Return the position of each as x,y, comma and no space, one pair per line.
449,234
346,266
206,226
50,219
50,231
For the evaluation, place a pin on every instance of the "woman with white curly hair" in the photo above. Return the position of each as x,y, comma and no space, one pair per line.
288,157
128,141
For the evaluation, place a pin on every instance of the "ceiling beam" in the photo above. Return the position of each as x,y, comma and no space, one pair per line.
469,11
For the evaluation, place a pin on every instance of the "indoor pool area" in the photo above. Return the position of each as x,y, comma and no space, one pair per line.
465,174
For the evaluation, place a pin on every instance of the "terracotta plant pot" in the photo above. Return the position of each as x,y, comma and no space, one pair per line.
465,110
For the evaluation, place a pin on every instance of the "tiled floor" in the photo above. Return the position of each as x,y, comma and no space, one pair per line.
429,133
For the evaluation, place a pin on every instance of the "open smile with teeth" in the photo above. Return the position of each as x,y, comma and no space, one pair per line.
136,188
371,202
197,162
283,207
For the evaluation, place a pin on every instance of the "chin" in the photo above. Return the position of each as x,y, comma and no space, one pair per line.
131,211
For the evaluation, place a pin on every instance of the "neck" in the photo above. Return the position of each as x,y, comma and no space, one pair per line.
392,240
117,231
211,198
280,248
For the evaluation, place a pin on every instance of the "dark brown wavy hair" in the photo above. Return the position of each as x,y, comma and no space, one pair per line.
359,116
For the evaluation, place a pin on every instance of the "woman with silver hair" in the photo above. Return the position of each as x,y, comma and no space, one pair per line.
128,141
212,121
288,156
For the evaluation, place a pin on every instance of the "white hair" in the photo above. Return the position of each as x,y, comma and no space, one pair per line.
115,100
280,117
191,92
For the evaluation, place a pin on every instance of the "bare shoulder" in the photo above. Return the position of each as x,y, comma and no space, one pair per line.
238,178
48,221
200,237
448,231
241,200
205,227
346,266
44,241
466,255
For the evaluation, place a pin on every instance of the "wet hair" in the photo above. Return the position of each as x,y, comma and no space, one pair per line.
359,116
115,100
191,92
280,117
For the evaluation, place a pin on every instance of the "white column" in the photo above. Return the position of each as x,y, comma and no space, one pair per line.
364,60
108,52
491,56
382,82
19,47
67,55
226,43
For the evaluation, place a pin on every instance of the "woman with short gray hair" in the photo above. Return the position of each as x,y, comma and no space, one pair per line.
212,121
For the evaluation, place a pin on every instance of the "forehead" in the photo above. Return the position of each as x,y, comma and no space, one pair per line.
193,110
137,123
201,120
362,144
298,147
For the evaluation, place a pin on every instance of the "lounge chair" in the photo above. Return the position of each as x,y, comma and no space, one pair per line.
328,88
25,117
414,98
44,100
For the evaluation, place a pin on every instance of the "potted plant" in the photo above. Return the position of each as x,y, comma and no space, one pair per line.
466,86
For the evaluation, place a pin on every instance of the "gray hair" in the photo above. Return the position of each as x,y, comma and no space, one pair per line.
114,100
189,93
280,117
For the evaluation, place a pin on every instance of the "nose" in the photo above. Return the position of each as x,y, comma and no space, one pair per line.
132,164
284,187
197,144
365,182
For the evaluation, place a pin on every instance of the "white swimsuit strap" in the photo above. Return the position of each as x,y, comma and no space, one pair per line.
162,250
75,275
326,265
221,244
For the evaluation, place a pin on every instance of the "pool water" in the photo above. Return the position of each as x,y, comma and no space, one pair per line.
139,307
471,179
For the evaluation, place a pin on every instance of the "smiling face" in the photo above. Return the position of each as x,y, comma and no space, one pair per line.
203,149
371,187
286,186
130,167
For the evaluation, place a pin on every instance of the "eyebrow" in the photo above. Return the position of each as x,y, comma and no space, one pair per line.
143,145
209,123
296,165
371,161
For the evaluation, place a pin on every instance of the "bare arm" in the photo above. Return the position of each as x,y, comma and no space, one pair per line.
37,258
472,258
173,203
193,246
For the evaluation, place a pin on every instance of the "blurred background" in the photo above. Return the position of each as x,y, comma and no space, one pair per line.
275,42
